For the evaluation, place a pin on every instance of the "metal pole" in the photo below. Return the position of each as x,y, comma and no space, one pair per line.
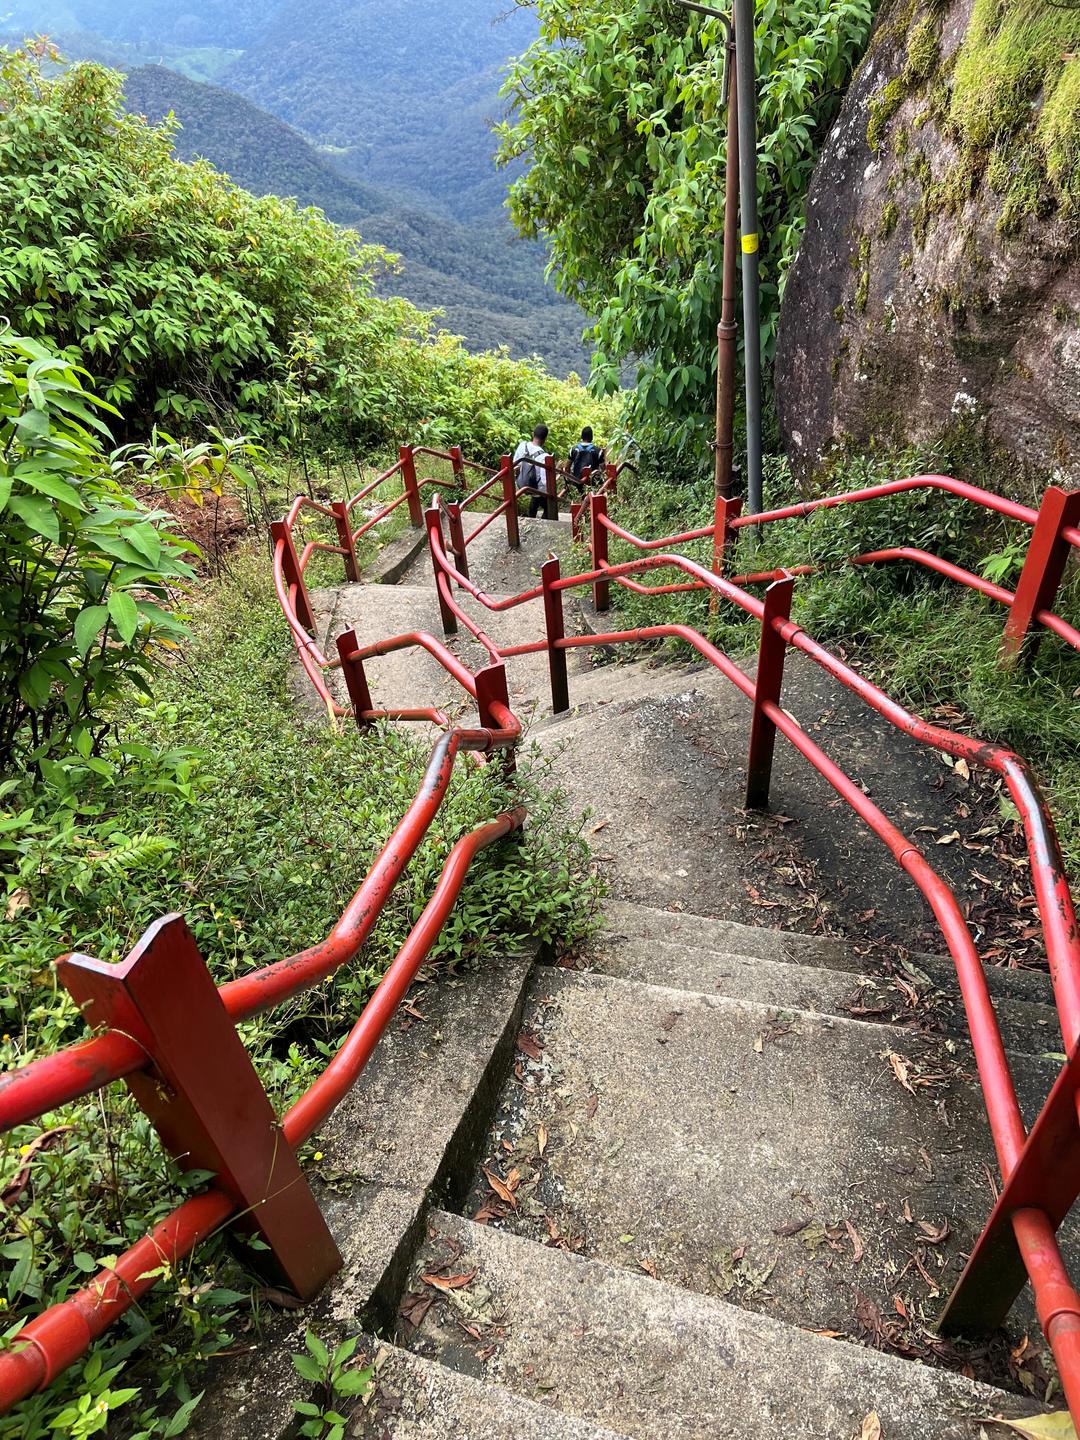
747,105
727,330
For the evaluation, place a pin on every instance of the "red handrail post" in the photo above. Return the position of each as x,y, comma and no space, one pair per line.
491,689
202,1095
599,538
611,481
551,485
352,667
457,460
457,538
294,576
726,510
767,686
555,624
412,489
433,517
506,469
1047,556
345,539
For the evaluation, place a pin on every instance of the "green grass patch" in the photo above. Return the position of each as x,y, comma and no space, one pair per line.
219,803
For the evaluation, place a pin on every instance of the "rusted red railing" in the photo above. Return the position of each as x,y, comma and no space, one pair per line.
205,1099
1041,1169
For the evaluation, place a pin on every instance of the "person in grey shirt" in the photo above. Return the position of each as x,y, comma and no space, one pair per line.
530,459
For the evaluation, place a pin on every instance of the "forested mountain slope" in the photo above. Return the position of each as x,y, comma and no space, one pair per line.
489,283
406,88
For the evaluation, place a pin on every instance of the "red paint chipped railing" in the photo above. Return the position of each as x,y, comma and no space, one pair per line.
141,1044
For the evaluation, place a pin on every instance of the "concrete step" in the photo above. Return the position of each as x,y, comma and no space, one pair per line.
813,1168
651,1361
627,921
492,565
416,1399
412,1126
908,997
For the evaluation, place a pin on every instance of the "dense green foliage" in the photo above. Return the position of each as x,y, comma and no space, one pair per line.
187,297
85,570
487,282
220,801
617,110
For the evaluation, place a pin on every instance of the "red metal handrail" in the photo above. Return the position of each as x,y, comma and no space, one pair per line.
1031,1226
56,1338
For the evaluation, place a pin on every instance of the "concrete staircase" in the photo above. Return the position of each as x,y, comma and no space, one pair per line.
720,1177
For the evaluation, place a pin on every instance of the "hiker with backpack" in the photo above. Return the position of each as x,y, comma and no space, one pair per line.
584,456
530,465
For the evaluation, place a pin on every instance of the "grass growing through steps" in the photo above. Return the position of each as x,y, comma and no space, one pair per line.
221,805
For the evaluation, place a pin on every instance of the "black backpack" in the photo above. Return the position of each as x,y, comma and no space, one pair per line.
585,457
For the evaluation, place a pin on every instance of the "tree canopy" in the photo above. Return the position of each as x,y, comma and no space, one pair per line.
617,110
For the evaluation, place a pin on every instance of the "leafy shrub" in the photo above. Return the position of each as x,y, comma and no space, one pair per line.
192,301
85,570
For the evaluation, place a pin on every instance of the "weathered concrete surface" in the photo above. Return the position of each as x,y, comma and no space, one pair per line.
903,994
907,308
624,921
666,777
657,1363
771,1156
417,1400
409,1129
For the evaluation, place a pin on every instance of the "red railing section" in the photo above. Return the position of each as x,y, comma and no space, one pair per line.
148,1008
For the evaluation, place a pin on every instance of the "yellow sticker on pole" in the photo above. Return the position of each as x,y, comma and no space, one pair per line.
749,244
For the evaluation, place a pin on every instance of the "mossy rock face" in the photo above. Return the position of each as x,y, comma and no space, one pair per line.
942,242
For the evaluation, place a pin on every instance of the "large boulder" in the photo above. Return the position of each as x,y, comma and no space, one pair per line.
939,278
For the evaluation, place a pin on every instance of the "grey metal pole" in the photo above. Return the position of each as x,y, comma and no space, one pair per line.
747,98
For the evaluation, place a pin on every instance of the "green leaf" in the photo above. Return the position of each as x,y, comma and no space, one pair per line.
307,1368
318,1349
125,615
38,516
88,625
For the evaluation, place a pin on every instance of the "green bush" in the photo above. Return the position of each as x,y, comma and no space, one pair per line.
219,803
192,302
85,570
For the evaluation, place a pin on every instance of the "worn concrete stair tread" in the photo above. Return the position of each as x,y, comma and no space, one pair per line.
789,1160
411,1127
868,995
418,1399
626,920
658,1363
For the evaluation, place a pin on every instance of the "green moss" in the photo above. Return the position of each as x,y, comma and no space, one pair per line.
862,287
890,216
923,50
882,109
1015,103
839,314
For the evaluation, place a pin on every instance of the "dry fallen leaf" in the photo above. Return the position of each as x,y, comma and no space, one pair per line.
856,1242
871,1427
17,900
962,769
900,1070
449,1282
528,1046
502,1190
541,1140
949,839
934,1233
1058,1426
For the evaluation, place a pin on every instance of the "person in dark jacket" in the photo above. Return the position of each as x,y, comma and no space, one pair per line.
584,456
